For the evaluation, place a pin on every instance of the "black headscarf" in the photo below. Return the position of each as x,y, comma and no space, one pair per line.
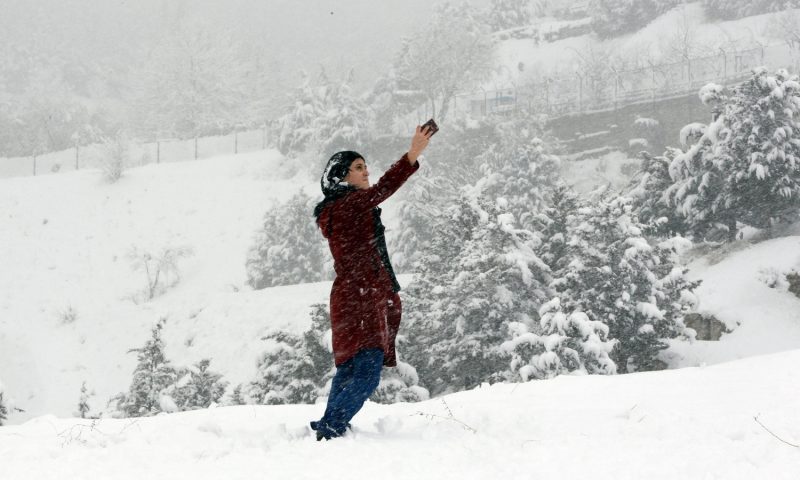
331,182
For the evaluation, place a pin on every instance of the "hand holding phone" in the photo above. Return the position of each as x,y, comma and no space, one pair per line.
422,135
433,127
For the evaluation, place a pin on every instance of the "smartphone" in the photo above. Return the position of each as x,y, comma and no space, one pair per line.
432,124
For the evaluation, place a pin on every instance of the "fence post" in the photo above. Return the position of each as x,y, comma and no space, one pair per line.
264,137
195,147
158,151
34,164
76,157
235,142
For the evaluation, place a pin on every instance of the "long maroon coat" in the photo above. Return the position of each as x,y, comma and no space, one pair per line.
365,308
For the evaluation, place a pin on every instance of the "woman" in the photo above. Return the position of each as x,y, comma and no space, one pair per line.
365,306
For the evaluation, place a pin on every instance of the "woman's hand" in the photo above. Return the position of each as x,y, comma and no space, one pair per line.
418,143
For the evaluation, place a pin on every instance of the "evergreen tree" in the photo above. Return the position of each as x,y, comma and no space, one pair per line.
294,368
198,387
731,9
616,17
3,409
153,375
479,274
554,225
746,166
647,191
236,397
617,278
504,14
288,248
83,403
325,117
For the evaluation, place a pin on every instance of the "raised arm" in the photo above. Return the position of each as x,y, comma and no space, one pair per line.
393,179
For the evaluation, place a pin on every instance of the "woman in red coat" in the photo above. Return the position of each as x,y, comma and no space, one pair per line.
365,306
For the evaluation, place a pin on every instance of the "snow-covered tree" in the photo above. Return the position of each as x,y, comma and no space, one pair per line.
83,402
504,14
616,17
731,9
479,274
554,225
647,192
617,278
3,409
197,387
326,116
294,368
746,166
237,397
153,375
288,248
567,343
452,53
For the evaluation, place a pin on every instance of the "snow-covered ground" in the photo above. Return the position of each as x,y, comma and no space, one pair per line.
694,423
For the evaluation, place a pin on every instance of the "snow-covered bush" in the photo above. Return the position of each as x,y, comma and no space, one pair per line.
288,248
567,343
161,269
400,384
197,387
746,166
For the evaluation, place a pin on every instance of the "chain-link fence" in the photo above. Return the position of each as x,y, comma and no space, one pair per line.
611,89
138,153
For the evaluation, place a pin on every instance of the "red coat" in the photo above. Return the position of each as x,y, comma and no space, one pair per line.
365,310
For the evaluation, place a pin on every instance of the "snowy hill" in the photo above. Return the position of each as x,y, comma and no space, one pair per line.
64,246
727,421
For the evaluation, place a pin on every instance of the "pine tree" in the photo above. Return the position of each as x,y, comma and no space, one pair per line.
294,368
504,14
236,397
83,403
617,278
288,248
647,190
479,274
152,376
326,117
732,9
3,409
554,225
746,166
198,387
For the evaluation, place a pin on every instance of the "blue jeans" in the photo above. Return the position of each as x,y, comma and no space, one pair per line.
354,382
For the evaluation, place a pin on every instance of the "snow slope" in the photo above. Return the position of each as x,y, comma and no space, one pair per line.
64,239
692,423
